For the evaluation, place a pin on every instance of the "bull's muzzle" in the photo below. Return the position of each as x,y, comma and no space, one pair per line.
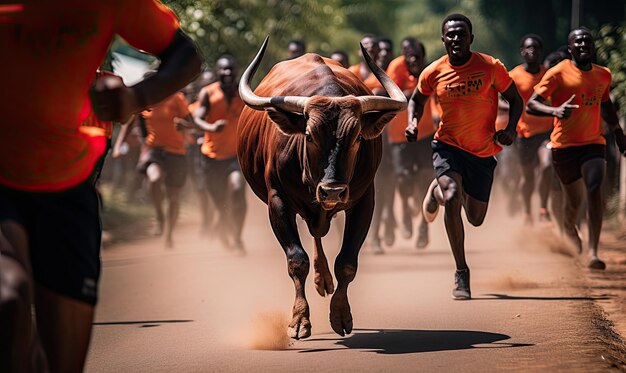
329,195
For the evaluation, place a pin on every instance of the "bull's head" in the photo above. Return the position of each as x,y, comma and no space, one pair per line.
332,126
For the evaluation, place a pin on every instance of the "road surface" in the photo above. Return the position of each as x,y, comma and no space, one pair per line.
201,308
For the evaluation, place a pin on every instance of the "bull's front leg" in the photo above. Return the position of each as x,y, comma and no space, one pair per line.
283,222
358,220
323,279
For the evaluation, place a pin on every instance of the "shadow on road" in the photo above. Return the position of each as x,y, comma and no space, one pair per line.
394,341
512,297
144,323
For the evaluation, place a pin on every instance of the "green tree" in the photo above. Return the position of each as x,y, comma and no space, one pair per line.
238,27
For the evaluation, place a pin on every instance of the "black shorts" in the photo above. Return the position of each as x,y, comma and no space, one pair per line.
218,169
64,234
568,161
477,172
528,148
410,157
174,165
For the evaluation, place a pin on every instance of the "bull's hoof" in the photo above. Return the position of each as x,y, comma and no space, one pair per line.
324,283
340,315
342,325
299,329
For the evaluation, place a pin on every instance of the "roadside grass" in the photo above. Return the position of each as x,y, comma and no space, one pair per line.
123,220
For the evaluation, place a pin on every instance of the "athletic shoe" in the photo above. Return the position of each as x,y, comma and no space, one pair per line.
462,285
430,206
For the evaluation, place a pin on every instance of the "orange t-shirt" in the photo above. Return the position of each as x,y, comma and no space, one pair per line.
223,144
399,73
370,82
468,95
529,125
160,124
591,88
52,50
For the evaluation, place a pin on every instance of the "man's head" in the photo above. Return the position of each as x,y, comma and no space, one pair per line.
456,34
370,43
580,45
414,54
225,70
385,55
531,48
296,48
342,57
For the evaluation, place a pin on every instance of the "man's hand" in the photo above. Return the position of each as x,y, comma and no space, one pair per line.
565,110
112,100
620,140
411,131
504,137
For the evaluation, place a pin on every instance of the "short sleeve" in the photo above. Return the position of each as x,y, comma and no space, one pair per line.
424,85
501,78
146,24
548,84
607,91
182,107
394,72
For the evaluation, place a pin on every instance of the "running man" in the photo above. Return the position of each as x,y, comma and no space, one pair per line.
579,91
163,159
467,85
218,115
533,132
385,52
412,161
370,43
49,213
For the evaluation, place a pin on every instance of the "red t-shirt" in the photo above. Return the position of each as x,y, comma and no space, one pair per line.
591,88
468,95
51,51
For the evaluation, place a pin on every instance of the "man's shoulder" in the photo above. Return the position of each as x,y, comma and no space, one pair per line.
602,69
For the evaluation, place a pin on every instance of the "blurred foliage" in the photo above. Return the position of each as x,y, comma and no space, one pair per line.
611,52
238,27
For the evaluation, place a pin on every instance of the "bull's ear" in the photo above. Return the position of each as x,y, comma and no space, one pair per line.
373,123
288,123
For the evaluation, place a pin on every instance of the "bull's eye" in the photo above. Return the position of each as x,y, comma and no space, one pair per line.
308,137
360,138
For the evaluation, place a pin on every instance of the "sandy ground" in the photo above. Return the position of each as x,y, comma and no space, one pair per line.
201,308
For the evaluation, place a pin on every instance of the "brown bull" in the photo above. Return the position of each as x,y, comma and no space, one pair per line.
309,144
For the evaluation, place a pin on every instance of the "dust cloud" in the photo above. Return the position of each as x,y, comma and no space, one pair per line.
269,332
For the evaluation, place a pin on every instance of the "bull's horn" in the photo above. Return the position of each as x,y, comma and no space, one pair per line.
396,100
294,104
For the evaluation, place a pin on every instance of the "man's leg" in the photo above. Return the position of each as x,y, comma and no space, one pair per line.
422,182
20,346
593,172
546,173
526,189
449,192
238,206
572,199
155,185
173,211
65,329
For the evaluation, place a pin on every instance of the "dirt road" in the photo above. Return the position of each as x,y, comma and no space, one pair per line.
201,308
